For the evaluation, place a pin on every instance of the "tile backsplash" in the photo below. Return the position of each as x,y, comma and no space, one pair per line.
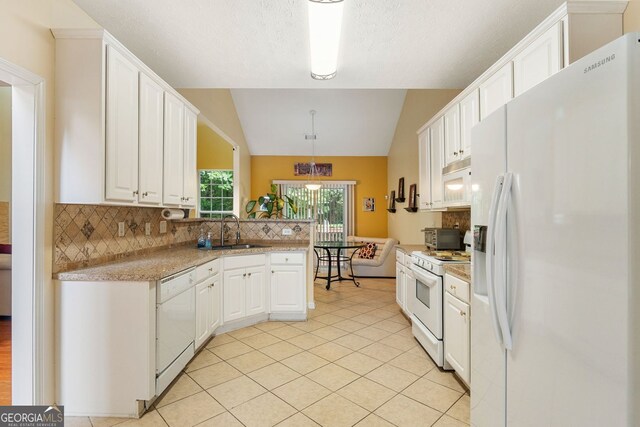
462,218
87,235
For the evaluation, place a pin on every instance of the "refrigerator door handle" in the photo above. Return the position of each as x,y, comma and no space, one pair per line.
500,281
490,257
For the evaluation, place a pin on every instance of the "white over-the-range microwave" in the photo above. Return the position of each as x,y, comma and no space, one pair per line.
456,183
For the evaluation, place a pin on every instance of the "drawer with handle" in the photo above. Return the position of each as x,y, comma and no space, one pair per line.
287,258
207,270
456,287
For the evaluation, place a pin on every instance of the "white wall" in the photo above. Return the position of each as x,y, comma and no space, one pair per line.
32,47
5,144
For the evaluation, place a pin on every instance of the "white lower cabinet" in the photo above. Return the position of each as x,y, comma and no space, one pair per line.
244,287
457,332
288,286
400,284
207,308
208,292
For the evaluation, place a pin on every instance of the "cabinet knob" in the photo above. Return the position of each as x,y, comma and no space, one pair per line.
286,260
461,151
455,153
462,313
211,270
249,274
272,272
135,193
453,287
145,194
244,275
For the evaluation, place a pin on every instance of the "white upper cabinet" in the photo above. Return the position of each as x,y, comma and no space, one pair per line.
496,91
121,128
190,173
151,132
424,184
110,126
436,160
452,135
469,117
572,31
173,150
538,61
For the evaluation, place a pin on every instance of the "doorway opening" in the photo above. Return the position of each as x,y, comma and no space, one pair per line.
29,332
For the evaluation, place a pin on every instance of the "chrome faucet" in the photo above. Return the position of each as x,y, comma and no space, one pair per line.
237,228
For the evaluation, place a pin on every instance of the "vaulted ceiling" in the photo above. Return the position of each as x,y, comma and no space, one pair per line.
263,44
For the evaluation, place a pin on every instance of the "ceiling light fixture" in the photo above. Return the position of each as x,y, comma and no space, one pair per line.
325,23
312,183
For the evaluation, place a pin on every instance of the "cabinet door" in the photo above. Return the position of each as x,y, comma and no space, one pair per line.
151,135
424,184
452,135
256,293
287,288
173,150
436,161
496,91
469,117
538,61
190,180
233,294
456,337
399,284
121,128
215,289
202,312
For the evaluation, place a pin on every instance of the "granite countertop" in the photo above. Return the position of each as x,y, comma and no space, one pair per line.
163,263
461,271
410,248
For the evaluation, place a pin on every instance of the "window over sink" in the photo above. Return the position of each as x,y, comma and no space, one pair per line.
216,193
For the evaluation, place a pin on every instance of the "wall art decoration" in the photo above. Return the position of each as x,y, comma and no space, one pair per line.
321,169
392,202
400,198
369,204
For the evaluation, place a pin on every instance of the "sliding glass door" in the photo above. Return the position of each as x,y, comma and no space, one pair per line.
331,206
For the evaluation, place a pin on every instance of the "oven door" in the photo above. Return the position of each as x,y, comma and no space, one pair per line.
426,300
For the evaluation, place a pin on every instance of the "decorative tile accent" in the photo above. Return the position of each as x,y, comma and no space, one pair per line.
86,235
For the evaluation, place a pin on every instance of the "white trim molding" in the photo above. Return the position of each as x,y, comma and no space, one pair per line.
29,336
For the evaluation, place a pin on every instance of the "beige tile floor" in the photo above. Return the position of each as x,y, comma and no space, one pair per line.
354,362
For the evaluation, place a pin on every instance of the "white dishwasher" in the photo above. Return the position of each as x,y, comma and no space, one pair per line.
176,325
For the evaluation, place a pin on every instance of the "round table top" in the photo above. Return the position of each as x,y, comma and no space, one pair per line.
338,245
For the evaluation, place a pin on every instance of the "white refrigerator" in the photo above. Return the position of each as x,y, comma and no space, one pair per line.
555,317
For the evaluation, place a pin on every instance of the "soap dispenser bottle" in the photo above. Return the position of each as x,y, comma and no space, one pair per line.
201,239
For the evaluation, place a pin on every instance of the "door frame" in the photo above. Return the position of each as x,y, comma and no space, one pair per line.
28,222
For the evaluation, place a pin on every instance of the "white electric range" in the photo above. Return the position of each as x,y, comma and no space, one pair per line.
426,299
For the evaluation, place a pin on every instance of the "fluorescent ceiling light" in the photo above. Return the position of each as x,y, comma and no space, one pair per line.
325,22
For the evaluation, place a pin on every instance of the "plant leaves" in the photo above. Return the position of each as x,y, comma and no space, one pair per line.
252,215
294,207
260,200
274,188
280,204
250,205
270,208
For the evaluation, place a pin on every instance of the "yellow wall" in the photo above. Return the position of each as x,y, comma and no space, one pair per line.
370,174
217,106
214,152
419,106
631,17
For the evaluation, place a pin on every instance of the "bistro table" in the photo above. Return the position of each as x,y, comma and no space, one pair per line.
338,258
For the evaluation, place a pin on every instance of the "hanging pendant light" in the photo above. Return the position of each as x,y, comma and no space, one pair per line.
312,182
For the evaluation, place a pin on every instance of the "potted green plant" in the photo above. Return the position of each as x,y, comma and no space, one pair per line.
270,205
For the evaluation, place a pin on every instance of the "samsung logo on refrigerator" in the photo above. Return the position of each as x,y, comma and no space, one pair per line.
600,63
